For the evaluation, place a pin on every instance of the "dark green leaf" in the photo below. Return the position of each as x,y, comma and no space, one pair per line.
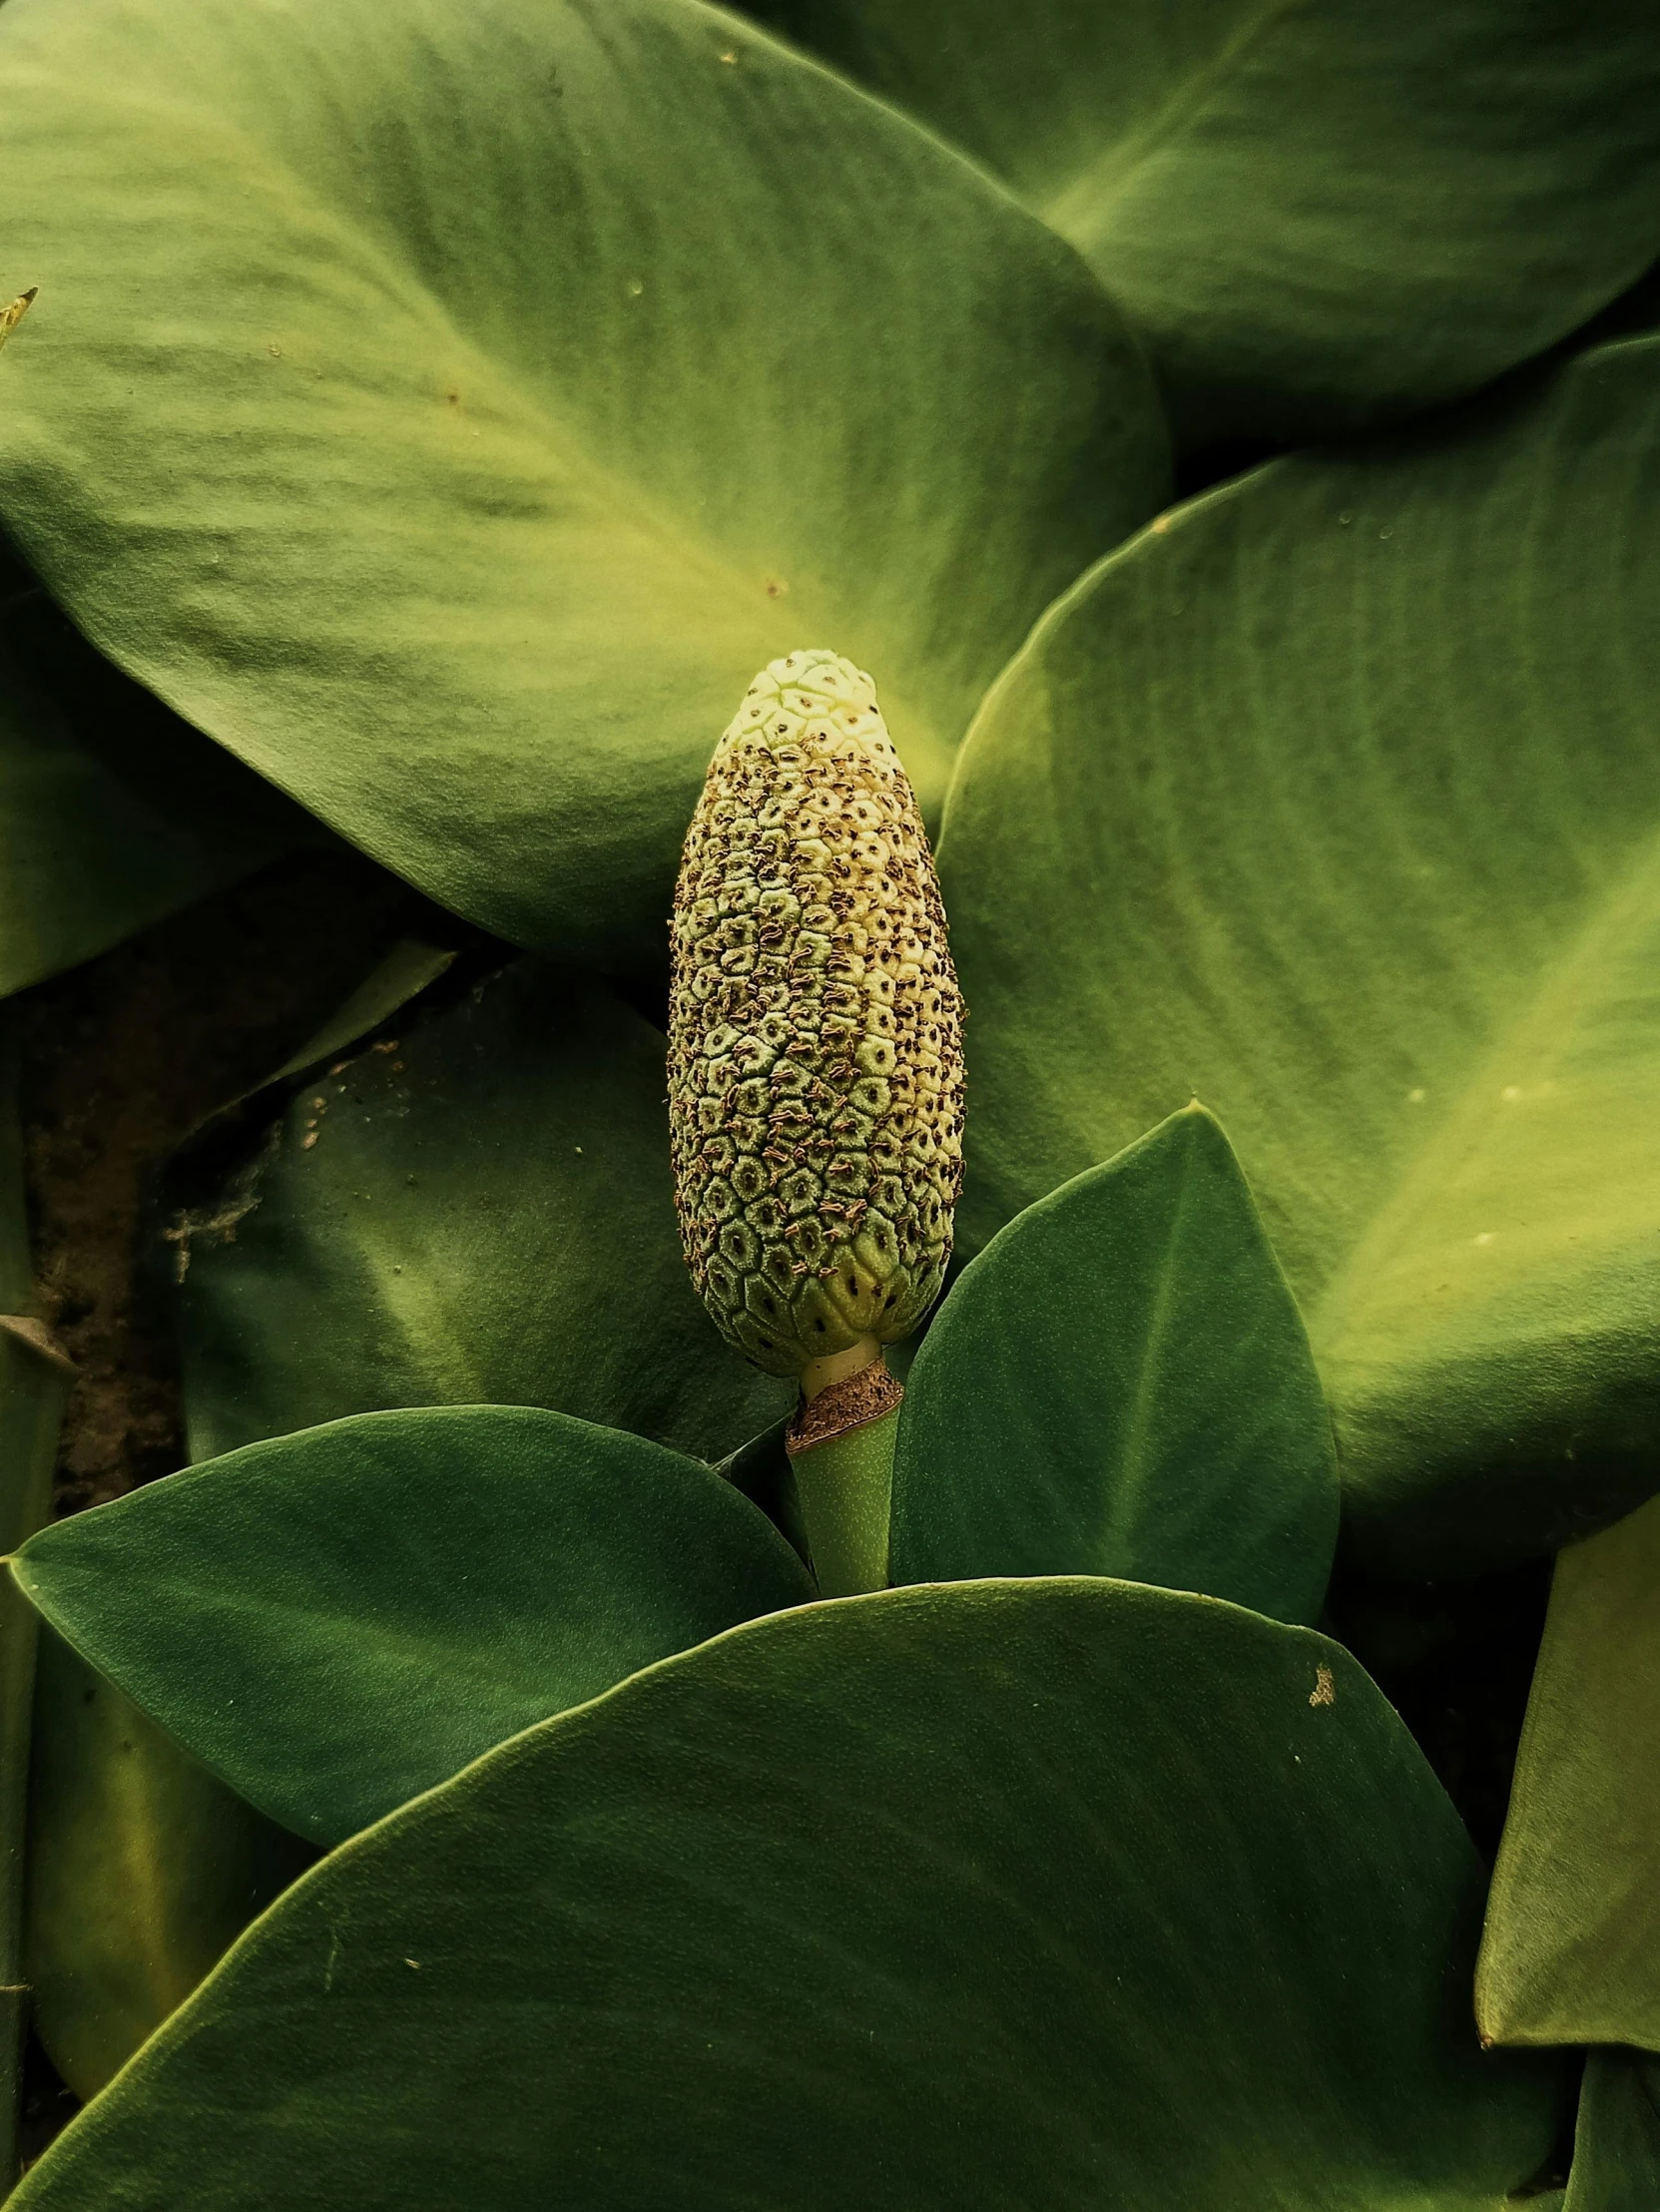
1025,1896
1616,2141
477,1210
1571,1952
760,1470
449,406
112,813
1318,214
1335,797
336,1621
35,1380
143,1869
408,969
1120,1385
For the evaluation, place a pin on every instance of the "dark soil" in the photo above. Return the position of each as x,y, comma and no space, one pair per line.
122,1058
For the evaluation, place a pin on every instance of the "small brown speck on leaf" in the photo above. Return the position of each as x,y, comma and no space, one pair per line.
1325,1691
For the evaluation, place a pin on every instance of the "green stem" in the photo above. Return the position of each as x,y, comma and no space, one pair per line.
34,1386
845,1489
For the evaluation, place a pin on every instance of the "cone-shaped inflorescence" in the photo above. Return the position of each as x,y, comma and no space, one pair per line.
815,1030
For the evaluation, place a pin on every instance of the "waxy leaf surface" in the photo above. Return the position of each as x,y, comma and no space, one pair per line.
448,406
1120,1385
1317,213
336,1621
476,1208
1571,1952
1335,799
1033,1894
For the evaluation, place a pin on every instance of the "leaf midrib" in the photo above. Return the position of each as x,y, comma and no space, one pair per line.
1079,210
1137,1460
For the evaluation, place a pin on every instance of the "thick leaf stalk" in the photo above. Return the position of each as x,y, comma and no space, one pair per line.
842,1446
816,1082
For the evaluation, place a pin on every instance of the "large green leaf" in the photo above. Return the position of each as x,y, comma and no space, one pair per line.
1035,1894
111,811
143,1866
339,1620
1616,2139
1571,1952
475,1210
449,406
1317,213
1120,1385
1335,797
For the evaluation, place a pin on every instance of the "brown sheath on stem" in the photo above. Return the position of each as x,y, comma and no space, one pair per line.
853,1402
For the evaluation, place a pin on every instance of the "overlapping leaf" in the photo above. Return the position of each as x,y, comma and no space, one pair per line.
1616,2141
1120,1385
143,1868
448,406
1335,797
1317,213
339,1620
112,811
474,1210
1571,1952
1037,1893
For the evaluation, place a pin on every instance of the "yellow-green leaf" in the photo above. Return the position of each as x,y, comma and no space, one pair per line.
1335,799
449,406
1571,1952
